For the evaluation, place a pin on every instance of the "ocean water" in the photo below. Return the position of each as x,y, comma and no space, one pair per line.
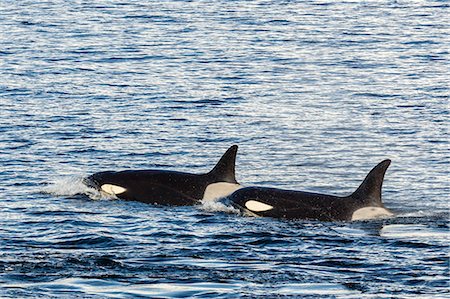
315,93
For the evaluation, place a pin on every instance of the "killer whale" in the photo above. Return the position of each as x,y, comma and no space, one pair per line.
166,187
365,203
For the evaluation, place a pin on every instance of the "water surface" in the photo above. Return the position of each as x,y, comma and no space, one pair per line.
315,93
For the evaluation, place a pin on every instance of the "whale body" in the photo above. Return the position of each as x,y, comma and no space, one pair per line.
364,203
166,187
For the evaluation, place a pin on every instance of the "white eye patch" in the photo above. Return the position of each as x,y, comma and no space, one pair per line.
257,206
112,189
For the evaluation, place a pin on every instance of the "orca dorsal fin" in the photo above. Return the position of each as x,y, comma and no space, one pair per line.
370,189
224,171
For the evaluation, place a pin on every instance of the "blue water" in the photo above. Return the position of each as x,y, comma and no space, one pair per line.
315,93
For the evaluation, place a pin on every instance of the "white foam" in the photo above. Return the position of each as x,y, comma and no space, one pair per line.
217,206
72,185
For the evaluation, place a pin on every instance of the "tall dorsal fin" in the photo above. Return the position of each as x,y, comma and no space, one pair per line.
370,189
224,171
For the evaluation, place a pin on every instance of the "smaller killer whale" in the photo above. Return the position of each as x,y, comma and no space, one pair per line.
365,203
166,187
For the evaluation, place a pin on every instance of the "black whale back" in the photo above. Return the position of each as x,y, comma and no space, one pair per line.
167,187
291,204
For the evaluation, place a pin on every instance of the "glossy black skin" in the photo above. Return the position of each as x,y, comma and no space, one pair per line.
297,204
155,186
166,187
291,204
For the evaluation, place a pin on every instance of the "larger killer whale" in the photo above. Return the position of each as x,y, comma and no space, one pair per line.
365,203
166,187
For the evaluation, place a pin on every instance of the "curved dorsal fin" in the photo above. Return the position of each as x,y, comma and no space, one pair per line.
224,171
370,189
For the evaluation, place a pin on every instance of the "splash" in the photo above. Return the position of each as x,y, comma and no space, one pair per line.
217,206
70,186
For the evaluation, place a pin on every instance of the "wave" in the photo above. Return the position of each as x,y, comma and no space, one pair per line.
217,206
72,185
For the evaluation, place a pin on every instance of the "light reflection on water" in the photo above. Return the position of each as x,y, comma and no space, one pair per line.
315,93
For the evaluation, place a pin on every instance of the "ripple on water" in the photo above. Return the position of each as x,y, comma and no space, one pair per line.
416,233
315,93
114,289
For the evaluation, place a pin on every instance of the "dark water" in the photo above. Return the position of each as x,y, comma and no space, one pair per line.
316,93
